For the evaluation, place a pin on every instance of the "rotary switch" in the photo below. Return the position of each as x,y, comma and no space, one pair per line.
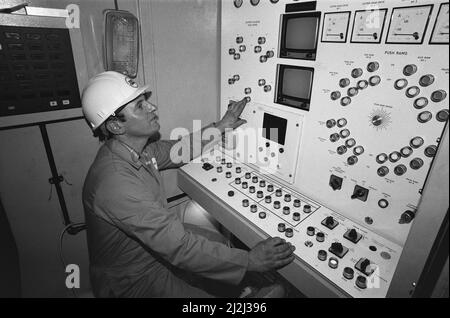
338,249
330,222
353,236
365,266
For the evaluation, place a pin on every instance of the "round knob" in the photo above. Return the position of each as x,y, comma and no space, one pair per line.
259,194
307,208
287,198
231,51
262,183
416,163
382,158
348,273
352,160
239,39
276,204
424,117
248,175
420,102
383,171
238,169
358,150
438,96
255,179
409,70
310,231
413,91
363,84
237,56
341,122
320,237
223,161
349,143
297,203
242,48
426,80
229,165
361,282
262,215
231,193
261,40
289,232
373,66
244,185
322,255
286,210
261,82
334,137
245,203
278,192
357,72
330,123
394,156
383,203
219,169
231,81
416,142
442,115
406,152
341,150
228,174
270,54
430,151
267,88
281,227
253,208
258,49
344,82
237,180
252,189
270,188
352,91
296,216
407,217
238,3
333,262
344,133
400,170
268,199
345,101
400,84
263,58
335,95
374,80
247,90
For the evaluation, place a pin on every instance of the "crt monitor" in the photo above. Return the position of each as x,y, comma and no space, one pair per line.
299,35
294,85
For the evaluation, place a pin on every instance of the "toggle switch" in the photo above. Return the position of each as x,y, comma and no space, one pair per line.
207,166
353,236
330,222
336,182
360,193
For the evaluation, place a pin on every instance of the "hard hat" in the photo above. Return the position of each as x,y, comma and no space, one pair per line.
105,93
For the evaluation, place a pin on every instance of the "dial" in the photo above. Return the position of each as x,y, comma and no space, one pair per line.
336,27
380,119
441,27
408,25
368,26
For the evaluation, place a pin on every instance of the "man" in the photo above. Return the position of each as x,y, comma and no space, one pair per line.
137,247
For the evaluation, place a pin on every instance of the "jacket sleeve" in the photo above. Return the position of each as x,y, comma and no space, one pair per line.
127,203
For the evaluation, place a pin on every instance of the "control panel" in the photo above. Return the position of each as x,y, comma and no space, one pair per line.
358,97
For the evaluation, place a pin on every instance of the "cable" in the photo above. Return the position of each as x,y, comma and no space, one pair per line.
77,227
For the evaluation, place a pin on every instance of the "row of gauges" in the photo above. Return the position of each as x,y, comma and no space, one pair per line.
239,3
408,25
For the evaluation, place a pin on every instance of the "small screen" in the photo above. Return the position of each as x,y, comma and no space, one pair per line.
301,33
274,128
297,83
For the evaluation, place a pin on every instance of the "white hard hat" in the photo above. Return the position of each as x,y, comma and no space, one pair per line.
105,93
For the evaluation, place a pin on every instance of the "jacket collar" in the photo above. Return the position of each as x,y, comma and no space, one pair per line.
124,153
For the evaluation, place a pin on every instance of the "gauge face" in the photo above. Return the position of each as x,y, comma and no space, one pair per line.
368,26
441,27
409,24
335,27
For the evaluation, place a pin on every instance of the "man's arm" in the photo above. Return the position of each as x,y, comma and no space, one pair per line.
171,154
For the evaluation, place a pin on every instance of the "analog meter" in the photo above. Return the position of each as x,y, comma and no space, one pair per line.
368,26
335,27
441,27
408,25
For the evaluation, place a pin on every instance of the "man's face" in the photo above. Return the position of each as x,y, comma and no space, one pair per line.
141,118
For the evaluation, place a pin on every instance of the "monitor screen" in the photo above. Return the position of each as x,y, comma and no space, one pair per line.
294,86
299,35
274,128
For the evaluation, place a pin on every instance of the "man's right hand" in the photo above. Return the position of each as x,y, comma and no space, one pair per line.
273,253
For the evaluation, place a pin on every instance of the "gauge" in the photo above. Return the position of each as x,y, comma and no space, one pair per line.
368,26
335,27
441,27
408,24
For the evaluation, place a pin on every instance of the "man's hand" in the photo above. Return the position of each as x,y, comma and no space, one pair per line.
273,253
231,118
